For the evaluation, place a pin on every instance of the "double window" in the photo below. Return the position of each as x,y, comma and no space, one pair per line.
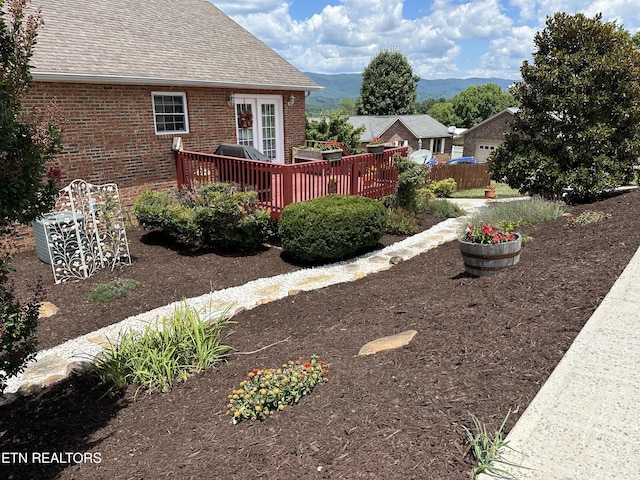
170,112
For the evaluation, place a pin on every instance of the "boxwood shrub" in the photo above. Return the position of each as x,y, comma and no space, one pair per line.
331,228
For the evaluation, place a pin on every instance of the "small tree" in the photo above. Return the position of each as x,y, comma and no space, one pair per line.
578,129
336,127
27,143
388,86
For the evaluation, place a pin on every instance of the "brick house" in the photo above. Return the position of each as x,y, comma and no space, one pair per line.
131,77
482,139
416,131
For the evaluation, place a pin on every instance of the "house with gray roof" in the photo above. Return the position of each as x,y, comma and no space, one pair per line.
481,140
416,131
132,77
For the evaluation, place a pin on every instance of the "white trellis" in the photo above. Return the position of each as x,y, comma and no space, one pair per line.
86,232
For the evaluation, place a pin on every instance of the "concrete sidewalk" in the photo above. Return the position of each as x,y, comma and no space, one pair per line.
584,423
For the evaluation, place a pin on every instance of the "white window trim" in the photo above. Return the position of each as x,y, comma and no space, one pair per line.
186,112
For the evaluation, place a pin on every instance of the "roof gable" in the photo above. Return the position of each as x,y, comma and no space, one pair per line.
510,110
186,42
422,126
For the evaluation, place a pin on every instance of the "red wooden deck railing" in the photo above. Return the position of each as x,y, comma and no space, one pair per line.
278,185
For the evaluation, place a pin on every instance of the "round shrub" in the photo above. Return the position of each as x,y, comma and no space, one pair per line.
331,228
444,188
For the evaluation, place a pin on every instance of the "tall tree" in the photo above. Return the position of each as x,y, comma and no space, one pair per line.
479,102
389,86
577,133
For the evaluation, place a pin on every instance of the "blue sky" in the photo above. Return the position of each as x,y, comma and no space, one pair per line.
441,38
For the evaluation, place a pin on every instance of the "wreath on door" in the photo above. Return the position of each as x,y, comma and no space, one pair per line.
245,120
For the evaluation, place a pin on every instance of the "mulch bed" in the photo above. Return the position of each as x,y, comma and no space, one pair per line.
484,346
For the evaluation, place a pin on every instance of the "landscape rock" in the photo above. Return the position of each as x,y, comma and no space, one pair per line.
388,343
48,309
45,366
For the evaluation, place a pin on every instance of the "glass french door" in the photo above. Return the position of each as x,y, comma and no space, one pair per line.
259,124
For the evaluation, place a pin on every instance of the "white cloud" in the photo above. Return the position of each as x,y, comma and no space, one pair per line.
454,37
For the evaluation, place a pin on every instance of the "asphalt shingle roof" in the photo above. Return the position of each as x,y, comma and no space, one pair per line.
176,42
422,126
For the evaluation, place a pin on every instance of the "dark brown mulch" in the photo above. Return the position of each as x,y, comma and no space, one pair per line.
484,346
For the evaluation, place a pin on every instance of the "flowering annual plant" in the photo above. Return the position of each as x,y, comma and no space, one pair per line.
332,145
264,392
487,234
491,187
376,141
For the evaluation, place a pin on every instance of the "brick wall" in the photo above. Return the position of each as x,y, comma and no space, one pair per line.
109,135
493,129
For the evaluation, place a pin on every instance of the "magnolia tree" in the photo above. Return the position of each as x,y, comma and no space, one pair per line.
577,133
28,142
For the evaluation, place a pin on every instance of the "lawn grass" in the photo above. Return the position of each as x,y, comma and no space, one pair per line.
502,190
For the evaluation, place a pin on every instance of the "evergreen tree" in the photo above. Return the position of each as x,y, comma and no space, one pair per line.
577,133
388,86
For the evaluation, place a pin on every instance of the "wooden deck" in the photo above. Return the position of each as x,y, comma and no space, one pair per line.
278,185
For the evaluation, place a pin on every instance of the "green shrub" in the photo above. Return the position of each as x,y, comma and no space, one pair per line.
156,358
107,292
443,188
228,218
444,209
216,215
401,222
411,177
423,195
331,228
150,208
18,322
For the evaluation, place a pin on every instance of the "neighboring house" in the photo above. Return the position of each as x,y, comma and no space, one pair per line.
482,139
130,77
416,131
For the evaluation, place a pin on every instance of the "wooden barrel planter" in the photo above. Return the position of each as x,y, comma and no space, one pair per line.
486,259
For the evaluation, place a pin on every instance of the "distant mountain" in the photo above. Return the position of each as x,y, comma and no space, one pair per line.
347,85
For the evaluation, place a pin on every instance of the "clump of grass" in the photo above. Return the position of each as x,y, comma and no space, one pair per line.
586,217
444,209
485,448
519,212
107,292
159,356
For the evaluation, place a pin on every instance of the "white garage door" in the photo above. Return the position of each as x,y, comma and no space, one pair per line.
484,149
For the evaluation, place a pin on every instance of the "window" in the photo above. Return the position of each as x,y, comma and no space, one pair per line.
170,113
437,145
259,123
